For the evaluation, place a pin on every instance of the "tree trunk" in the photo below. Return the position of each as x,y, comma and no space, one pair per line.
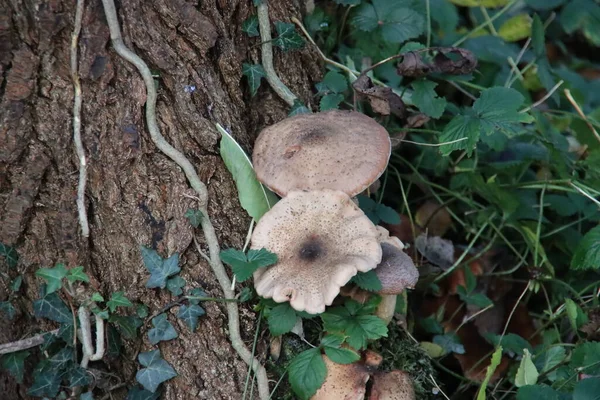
135,195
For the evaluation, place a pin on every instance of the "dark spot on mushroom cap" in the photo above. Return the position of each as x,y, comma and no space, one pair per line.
312,249
314,136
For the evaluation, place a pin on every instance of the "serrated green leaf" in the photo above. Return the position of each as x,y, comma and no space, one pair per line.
254,73
194,216
450,342
587,389
537,392
14,363
396,20
494,362
282,319
335,82
527,374
190,314
367,281
287,37
332,343
245,295
253,196
243,265
156,370
250,26
10,255
350,321
118,299
550,358
163,330
175,285
586,358
160,269
330,101
444,14
52,307
141,310
587,253
53,277
426,99
77,274
306,373
431,325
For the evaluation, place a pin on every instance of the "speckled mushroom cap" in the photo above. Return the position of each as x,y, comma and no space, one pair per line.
396,270
343,381
322,239
338,150
393,385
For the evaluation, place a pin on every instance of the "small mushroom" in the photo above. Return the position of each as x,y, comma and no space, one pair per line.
322,239
339,150
396,270
343,381
393,385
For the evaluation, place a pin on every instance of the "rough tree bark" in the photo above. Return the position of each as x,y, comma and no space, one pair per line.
135,195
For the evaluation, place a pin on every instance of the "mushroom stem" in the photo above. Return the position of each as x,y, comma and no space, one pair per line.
386,308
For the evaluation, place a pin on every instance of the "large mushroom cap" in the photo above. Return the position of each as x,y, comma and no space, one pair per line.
396,270
322,239
393,385
339,150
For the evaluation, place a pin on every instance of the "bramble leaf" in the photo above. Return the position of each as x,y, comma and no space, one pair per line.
306,373
282,319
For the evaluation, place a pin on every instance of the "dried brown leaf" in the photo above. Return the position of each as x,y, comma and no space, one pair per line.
447,60
382,99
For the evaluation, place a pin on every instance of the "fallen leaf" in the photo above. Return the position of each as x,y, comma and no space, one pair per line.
447,60
433,218
382,99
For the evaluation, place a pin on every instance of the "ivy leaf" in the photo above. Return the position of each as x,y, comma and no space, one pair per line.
450,342
298,108
367,281
250,26
330,101
113,342
332,343
78,377
97,297
118,299
587,253
7,308
243,265
137,393
254,73
396,21
156,372
160,269
426,99
175,284
282,319
196,292
53,277
52,307
163,330
287,37
14,363
10,255
306,373
46,384
194,216
15,285
190,314
77,274
495,110
527,373
128,325
253,196
495,361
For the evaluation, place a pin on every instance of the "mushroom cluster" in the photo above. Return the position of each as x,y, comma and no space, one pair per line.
317,163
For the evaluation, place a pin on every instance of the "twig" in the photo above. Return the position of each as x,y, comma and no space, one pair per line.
515,68
488,21
433,144
25,344
83,221
580,112
200,188
485,23
264,25
517,60
543,99
463,91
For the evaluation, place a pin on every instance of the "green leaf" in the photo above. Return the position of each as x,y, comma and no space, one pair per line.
163,330
587,253
586,357
587,389
387,214
254,197
190,314
577,317
306,373
431,325
282,319
7,308
550,358
78,376
254,73
175,285
494,111
537,392
450,342
477,299
545,4
538,42
243,265
298,108
10,255
46,384
156,372
332,343
53,277
141,310
335,82
495,361
367,281
86,396
196,292
52,307
97,297
245,295
351,321
330,101
376,211
14,363
527,374
250,26
128,325
113,342
347,2
194,216
426,99
137,393
118,299
583,15
15,285
287,37
160,269
395,20
77,274
510,342
516,28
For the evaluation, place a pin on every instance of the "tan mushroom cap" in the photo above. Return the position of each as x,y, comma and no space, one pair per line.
338,150
343,382
322,239
396,270
393,385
